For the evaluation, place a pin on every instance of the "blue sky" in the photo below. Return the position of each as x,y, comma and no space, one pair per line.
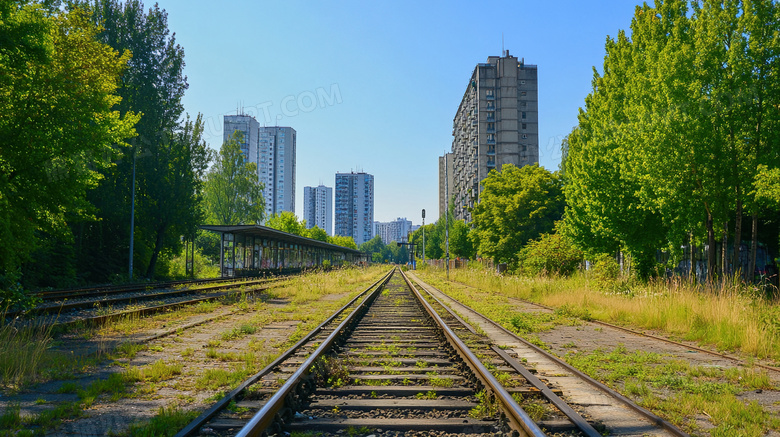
374,86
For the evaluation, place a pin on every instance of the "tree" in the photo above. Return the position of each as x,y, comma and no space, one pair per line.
286,221
317,233
58,124
374,246
152,86
461,246
550,254
176,211
516,205
675,128
232,193
340,240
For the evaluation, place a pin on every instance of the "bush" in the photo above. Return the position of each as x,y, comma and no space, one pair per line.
551,254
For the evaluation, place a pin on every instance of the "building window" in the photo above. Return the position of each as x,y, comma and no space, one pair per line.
524,126
523,93
524,114
525,136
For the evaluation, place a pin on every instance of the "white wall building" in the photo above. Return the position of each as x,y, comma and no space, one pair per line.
318,207
395,231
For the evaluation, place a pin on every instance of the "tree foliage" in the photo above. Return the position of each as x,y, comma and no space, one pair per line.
232,192
550,254
671,137
516,205
286,221
58,123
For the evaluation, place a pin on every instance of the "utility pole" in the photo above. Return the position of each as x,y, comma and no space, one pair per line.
132,218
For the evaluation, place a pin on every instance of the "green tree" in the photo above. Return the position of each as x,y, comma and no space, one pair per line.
374,246
177,209
516,205
317,233
232,193
152,86
287,221
550,254
340,240
58,123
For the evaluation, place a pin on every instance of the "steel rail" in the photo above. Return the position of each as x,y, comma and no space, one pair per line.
201,420
559,403
517,417
624,400
269,412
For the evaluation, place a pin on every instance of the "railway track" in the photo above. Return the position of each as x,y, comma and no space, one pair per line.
391,362
98,305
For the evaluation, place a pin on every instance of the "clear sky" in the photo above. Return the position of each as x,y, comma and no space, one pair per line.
373,86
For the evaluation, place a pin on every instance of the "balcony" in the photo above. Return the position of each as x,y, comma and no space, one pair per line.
491,117
491,162
490,107
490,130
491,141
491,97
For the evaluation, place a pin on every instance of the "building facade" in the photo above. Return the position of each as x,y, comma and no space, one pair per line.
397,230
445,186
272,149
277,167
497,123
354,206
318,207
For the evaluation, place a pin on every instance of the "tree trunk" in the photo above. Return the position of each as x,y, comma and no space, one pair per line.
156,252
753,249
712,253
737,265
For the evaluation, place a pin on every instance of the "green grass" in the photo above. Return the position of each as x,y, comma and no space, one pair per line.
682,391
239,332
23,351
167,422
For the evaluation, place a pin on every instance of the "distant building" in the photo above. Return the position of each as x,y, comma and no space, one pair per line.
272,149
277,166
445,170
354,206
497,123
395,231
318,207
249,128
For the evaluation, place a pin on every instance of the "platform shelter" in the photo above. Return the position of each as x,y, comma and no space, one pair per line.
251,250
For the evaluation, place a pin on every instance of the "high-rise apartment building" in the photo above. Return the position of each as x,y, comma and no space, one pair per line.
354,206
445,171
397,230
277,166
273,150
318,207
497,123
249,128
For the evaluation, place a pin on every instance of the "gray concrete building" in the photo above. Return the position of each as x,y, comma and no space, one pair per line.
318,207
248,126
354,206
497,123
445,170
277,168
272,149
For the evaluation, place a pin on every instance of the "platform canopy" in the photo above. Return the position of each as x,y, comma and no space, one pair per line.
276,235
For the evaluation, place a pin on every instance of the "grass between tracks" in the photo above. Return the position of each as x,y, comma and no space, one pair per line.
731,319
209,368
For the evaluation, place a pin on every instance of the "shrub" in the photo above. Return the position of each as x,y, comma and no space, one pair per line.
551,254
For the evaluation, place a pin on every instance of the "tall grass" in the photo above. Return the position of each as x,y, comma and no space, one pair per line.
731,317
22,352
